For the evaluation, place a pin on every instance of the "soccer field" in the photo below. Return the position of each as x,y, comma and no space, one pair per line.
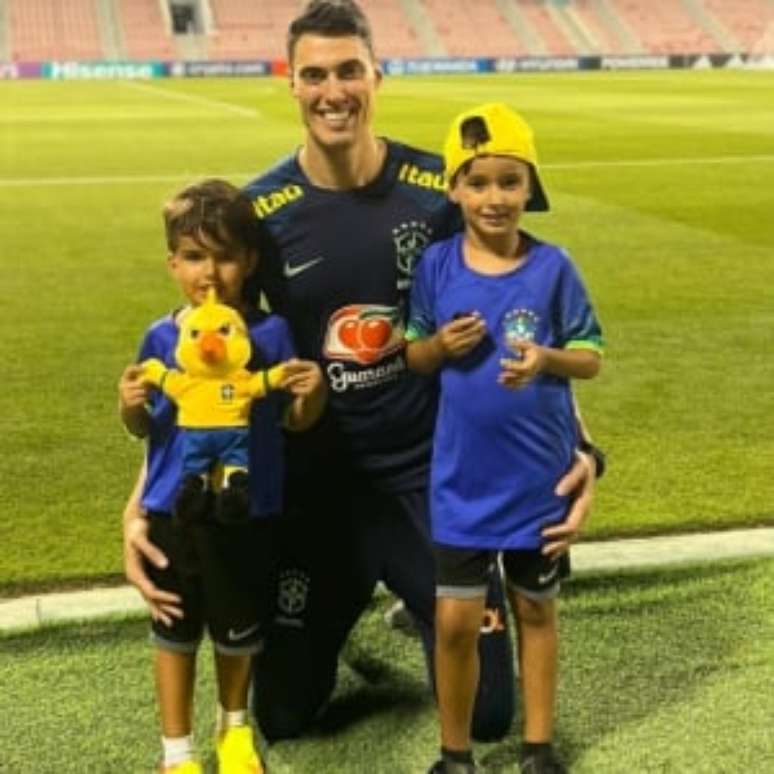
661,672
661,185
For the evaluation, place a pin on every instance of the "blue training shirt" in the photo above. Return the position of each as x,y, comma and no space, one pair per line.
271,344
498,453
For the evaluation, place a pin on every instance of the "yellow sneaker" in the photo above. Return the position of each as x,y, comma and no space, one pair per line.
236,752
189,767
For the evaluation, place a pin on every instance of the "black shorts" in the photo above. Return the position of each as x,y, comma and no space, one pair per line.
463,572
224,575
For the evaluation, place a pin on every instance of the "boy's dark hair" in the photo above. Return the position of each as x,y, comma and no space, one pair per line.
212,210
333,19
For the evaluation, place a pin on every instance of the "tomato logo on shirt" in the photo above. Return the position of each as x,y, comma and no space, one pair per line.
363,333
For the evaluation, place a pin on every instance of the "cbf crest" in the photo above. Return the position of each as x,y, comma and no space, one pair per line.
409,240
519,325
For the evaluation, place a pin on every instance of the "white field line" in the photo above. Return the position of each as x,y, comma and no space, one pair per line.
211,103
31,182
26,182
660,162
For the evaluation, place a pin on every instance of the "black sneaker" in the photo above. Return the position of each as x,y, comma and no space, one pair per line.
543,761
449,767
232,505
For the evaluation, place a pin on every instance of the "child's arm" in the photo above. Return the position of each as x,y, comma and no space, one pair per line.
263,382
566,363
450,342
132,399
303,379
169,380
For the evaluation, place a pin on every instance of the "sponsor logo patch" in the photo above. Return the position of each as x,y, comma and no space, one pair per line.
268,203
363,334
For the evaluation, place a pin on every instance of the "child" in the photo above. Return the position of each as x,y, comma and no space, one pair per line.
506,320
220,570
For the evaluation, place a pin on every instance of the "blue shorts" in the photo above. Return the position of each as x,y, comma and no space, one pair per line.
203,448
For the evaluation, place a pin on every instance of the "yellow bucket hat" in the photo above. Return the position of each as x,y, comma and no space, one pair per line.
493,129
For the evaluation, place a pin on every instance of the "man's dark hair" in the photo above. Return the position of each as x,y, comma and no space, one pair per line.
330,18
212,211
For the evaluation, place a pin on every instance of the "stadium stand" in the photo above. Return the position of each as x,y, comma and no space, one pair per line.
530,40
665,27
255,29
4,55
556,41
604,35
572,27
244,29
51,29
397,32
751,22
706,20
462,26
631,42
145,31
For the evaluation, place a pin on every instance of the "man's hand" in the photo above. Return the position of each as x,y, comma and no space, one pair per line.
578,482
164,605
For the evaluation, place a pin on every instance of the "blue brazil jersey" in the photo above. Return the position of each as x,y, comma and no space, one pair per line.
338,266
271,343
498,453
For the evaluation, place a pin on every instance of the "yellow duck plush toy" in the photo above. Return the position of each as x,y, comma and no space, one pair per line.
213,393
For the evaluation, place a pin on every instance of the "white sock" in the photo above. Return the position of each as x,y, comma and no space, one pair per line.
231,718
177,749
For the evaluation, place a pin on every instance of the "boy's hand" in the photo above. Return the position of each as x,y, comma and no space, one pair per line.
133,390
518,373
461,335
302,378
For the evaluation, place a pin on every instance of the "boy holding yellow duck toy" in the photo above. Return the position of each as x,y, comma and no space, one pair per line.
214,383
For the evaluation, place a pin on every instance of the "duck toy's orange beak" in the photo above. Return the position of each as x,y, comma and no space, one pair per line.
212,348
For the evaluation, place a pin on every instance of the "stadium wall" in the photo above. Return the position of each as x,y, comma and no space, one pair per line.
145,70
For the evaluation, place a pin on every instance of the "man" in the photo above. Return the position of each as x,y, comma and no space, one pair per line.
346,217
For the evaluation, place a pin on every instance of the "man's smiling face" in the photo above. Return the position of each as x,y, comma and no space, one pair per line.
334,80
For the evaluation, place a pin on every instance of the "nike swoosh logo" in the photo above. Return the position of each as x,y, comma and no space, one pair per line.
549,576
293,271
234,635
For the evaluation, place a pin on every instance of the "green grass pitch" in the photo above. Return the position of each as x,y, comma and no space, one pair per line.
660,672
661,185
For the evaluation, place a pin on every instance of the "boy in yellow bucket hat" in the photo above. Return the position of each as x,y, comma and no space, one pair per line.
506,321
